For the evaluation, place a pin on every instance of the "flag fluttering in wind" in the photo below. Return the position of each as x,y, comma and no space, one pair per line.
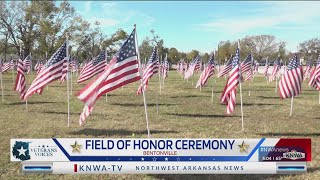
276,69
308,70
315,76
27,63
266,68
246,64
207,72
226,68
5,66
20,84
192,67
249,75
149,71
94,67
165,68
122,69
55,68
290,82
73,65
229,93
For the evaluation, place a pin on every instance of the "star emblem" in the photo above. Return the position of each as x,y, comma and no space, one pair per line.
243,147
166,159
142,159
22,151
76,147
154,159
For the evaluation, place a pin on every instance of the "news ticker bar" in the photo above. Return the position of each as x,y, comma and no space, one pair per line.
164,167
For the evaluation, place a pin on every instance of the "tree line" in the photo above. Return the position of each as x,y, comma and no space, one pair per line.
41,27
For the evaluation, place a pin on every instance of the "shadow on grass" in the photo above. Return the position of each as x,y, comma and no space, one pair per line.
268,97
59,112
189,96
201,115
39,102
140,104
103,132
290,134
260,104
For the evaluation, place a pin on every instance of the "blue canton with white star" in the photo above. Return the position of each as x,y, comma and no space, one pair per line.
58,55
128,48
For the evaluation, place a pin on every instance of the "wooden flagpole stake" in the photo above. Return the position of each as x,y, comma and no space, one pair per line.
68,96
240,82
142,85
291,106
212,90
1,87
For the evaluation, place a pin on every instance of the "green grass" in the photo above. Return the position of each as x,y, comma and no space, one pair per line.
184,112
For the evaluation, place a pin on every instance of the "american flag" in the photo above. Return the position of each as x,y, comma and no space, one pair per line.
94,67
73,65
36,67
149,71
246,64
230,90
290,82
192,67
121,70
276,69
20,84
308,70
206,73
27,63
315,76
5,66
249,75
256,67
165,66
226,68
198,65
266,68
55,68
11,63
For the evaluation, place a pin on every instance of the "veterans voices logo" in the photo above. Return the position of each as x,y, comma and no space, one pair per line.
23,150
20,150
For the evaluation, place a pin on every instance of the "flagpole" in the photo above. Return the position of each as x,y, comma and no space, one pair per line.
67,54
240,82
106,54
159,85
1,86
291,105
45,63
12,70
144,95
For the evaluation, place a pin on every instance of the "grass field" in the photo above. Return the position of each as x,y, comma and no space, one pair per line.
184,112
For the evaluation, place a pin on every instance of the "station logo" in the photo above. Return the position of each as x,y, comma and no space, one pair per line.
294,155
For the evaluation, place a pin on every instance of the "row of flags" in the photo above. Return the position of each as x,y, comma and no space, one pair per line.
123,68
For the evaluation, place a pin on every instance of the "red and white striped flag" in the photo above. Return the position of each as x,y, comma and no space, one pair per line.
275,71
306,73
27,63
20,84
266,68
55,68
249,75
229,93
192,67
226,68
315,76
206,73
149,71
290,82
165,67
121,70
246,64
94,67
